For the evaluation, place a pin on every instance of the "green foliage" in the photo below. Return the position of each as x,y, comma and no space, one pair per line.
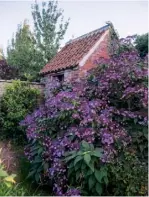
6,181
38,166
128,172
49,29
22,53
19,190
141,44
5,178
21,186
30,52
18,100
84,169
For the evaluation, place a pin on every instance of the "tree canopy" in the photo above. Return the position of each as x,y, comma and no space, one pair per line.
21,52
142,44
28,51
49,28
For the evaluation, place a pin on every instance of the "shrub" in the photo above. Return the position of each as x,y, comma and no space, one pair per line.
90,138
142,44
6,71
18,100
135,42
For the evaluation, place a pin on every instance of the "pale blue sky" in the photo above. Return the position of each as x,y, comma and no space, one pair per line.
128,17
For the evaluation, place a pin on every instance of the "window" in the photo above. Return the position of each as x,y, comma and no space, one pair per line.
60,78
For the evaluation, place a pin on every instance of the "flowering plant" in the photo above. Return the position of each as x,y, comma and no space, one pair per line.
107,114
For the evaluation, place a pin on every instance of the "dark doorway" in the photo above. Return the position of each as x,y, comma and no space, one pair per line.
60,78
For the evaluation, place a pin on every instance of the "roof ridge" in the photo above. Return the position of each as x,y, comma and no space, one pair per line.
88,34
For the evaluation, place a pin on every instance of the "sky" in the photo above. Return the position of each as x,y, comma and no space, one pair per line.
128,17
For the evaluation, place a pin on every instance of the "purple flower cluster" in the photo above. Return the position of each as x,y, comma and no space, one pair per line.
95,112
83,133
107,139
108,154
73,192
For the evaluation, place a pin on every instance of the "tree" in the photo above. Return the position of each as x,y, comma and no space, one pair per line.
21,53
2,56
142,44
49,29
29,52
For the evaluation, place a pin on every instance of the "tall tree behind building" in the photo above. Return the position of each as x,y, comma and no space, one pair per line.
49,28
22,53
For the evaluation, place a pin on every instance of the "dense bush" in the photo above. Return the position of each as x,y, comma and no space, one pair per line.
141,44
135,42
18,100
6,71
91,138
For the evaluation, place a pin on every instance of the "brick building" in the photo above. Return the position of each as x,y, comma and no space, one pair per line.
78,55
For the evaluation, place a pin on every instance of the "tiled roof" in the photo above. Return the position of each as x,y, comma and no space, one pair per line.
74,50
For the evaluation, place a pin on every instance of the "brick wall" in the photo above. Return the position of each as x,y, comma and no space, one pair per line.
4,83
101,51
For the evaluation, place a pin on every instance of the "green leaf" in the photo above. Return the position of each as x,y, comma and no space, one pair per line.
71,165
37,177
145,132
91,181
69,158
89,172
146,135
78,158
69,153
70,171
83,166
79,153
37,160
40,150
40,168
91,147
99,175
8,184
31,173
85,145
87,158
3,173
77,175
106,180
141,148
98,188
91,165
97,152
77,166
45,166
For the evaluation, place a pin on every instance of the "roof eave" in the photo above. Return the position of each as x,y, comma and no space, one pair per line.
57,70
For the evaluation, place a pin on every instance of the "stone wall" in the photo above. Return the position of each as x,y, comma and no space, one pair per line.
4,83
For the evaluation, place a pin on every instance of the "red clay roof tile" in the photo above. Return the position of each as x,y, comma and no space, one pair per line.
71,54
